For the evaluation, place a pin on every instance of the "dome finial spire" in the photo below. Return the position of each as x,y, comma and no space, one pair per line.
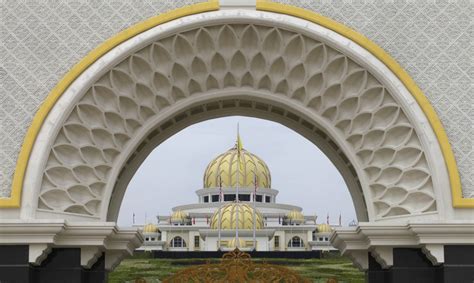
238,143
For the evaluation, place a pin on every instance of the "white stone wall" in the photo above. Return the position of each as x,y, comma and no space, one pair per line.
40,41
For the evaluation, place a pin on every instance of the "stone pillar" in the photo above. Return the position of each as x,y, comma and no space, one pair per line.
459,263
59,251
418,252
14,264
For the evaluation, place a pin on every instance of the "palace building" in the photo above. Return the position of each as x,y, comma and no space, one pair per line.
237,207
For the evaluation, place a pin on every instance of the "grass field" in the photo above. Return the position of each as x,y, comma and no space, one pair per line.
317,270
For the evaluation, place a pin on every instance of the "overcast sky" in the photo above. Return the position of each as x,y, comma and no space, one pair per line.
174,170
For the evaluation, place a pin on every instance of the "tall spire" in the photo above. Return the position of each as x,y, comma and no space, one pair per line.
238,143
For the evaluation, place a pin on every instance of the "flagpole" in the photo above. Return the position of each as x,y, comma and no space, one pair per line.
254,211
239,145
220,214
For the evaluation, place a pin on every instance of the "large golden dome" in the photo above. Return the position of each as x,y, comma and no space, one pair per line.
228,216
226,167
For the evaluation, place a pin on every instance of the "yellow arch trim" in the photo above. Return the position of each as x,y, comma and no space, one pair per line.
455,181
212,5
76,70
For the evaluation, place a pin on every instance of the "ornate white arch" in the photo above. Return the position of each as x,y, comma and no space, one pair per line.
318,82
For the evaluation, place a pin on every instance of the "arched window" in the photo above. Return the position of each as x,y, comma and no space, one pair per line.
178,242
296,242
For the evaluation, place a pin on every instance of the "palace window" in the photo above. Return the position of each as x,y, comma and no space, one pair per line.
245,197
215,198
259,198
206,199
296,242
178,242
196,241
267,198
277,241
230,197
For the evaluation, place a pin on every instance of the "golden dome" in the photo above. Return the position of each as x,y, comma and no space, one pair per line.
150,228
226,166
295,216
228,216
179,216
324,228
233,243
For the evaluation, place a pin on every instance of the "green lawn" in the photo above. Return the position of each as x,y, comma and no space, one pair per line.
154,270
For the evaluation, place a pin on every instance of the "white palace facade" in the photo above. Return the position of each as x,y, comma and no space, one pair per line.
255,222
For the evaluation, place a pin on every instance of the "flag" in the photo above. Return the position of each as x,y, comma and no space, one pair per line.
133,218
327,219
194,220
340,220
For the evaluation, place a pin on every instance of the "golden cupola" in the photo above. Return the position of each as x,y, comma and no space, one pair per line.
237,167
179,216
295,216
228,214
324,228
234,243
150,228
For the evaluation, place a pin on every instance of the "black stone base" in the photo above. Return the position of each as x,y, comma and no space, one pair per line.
410,265
61,265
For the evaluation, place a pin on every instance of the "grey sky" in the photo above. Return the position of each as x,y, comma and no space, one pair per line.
173,172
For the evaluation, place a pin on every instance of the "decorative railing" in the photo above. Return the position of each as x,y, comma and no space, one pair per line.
236,266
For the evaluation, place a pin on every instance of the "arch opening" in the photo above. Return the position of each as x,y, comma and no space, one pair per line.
238,106
182,166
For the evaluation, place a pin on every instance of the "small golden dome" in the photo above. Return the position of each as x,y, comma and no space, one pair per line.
324,228
224,169
150,228
295,216
179,216
228,216
233,243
